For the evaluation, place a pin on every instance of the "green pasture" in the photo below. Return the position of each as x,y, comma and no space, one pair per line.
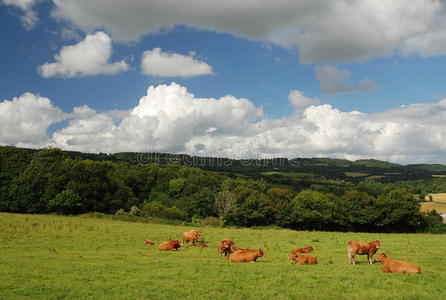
57,257
288,174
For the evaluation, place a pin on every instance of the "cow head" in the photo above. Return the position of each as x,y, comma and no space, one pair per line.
261,253
380,257
377,243
310,248
292,256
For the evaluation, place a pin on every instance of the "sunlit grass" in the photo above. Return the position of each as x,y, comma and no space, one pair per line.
55,257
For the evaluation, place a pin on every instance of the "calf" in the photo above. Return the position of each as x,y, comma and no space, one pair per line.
303,259
246,255
395,266
224,247
169,245
202,245
307,249
149,243
191,236
362,248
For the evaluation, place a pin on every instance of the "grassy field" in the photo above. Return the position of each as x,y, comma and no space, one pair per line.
288,174
55,257
356,174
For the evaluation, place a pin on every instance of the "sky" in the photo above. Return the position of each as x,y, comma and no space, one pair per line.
254,79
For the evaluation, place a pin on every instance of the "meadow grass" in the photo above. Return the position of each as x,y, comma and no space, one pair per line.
58,257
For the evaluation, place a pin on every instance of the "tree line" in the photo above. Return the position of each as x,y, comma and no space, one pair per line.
50,181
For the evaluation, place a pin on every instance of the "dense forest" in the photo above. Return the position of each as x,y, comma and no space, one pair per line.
310,194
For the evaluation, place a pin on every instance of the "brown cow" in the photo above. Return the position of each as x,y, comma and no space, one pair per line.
307,249
202,245
169,245
362,248
224,247
395,266
191,236
149,243
246,255
303,259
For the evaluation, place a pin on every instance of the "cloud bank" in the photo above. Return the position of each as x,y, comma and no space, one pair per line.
324,31
171,119
87,58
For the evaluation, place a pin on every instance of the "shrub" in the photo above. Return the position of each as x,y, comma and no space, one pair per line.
135,211
66,202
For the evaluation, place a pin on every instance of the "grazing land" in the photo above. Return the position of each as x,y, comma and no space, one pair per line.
57,257
438,203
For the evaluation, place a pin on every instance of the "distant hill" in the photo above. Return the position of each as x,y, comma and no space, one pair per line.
282,171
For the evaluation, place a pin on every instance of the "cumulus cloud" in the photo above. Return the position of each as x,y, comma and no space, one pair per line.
335,81
87,58
298,99
29,18
324,31
25,120
171,119
166,118
155,62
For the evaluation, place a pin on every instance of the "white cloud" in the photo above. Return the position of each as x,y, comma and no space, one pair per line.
25,120
87,58
166,118
29,18
155,62
298,99
171,119
324,31
335,81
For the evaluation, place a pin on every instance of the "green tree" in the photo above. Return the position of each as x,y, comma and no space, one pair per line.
310,210
31,191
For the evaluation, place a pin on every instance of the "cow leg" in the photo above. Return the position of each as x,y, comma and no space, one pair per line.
351,258
370,258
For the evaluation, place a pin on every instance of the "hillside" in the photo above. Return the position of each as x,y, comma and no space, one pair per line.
309,169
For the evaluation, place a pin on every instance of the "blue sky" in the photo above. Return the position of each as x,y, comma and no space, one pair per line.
258,53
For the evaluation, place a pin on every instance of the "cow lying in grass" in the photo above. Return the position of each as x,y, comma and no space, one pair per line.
303,259
149,243
307,249
169,245
362,248
246,255
395,266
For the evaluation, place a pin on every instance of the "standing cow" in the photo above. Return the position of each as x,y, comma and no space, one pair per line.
362,248
191,236
226,247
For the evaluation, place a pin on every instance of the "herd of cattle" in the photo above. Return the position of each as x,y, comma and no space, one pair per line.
229,250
